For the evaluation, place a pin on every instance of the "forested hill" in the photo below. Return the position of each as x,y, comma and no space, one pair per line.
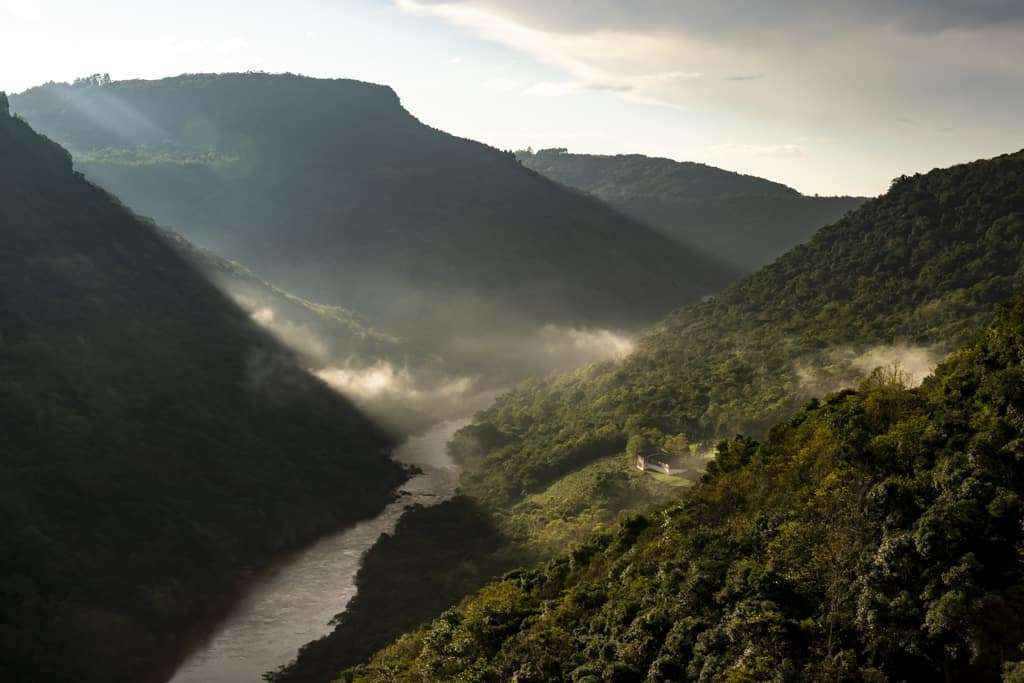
332,190
904,278
873,536
742,219
155,444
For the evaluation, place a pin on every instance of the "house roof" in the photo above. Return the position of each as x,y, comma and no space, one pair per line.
659,455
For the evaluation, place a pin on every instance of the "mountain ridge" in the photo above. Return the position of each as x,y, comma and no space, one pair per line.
923,265
236,162
157,444
904,279
742,219
873,535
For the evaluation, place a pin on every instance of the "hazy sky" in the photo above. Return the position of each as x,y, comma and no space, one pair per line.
831,97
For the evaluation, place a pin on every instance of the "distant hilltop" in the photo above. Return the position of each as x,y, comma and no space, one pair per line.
740,219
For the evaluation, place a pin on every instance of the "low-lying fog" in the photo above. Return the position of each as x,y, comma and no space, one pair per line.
845,366
409,390
409,385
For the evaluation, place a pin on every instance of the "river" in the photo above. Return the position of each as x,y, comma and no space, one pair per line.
295,602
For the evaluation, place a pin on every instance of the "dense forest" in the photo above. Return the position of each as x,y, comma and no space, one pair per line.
439,555
333,191
164,433
156,443
741,219
875,535
435,557
905,277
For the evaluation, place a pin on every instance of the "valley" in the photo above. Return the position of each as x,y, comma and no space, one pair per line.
294,602
486,341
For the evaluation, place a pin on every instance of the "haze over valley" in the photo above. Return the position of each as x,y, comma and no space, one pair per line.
471,340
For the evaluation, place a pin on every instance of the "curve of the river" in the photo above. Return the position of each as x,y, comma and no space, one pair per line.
295,603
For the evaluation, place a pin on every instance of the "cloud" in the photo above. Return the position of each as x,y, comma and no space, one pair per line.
843,367
504,84
298,337
669,76
773,151
833,66
915,362
26,10
382,378
552,89
573,54
233,44
570,347
738,17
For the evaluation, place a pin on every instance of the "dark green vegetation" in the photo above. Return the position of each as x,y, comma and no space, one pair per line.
741,219
435,557
877,535
155,444
907,276
439,555
330,189
584,502
922,266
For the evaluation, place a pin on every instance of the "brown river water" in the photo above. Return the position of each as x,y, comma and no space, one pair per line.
294,603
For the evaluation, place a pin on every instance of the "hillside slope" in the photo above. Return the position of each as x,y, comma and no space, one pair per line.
340,345
874,536
905,277
740,219
335,192
155,443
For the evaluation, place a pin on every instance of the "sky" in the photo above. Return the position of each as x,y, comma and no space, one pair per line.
828,96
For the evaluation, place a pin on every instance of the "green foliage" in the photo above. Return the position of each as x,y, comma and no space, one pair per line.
625,176
876,535
155,444
923,266
585,502
332,190
743,220
434,558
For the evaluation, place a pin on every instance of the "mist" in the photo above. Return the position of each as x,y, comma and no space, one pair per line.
843,367
914,362
408,387
300,338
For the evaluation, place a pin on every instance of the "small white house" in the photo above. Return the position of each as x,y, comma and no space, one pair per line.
666,463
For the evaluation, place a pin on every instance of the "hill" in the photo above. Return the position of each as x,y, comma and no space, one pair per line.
904,278
743,220
333,191
156,443
395,381
872,536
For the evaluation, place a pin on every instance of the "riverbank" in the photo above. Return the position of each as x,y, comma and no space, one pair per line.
438,556
198,636
293,602
435,557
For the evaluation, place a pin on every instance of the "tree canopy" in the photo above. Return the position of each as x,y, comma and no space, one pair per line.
155,443
873,535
